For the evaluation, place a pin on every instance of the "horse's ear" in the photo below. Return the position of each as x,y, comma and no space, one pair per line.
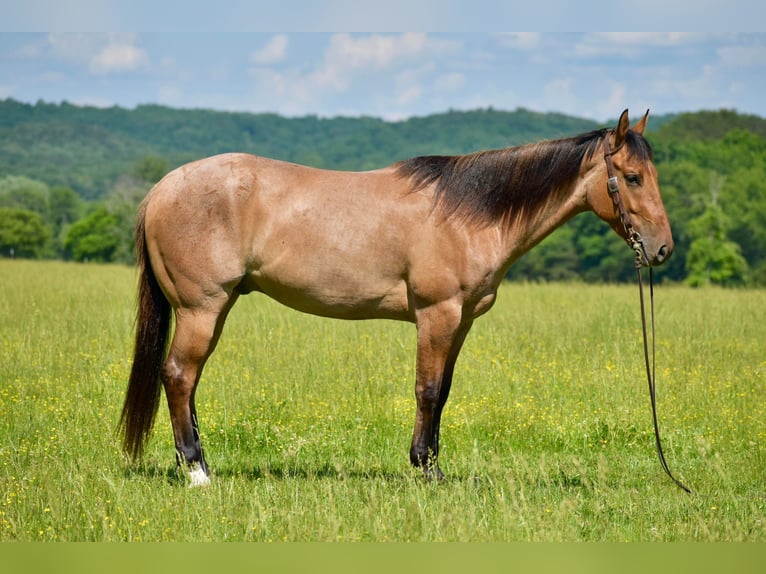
641,124
622,129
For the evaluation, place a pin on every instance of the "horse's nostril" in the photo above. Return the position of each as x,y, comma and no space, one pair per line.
662,253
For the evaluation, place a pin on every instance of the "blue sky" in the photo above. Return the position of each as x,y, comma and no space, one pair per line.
390,75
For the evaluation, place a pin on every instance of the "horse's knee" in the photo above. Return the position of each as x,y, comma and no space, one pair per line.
176,377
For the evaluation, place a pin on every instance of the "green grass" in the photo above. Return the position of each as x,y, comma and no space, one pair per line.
306,422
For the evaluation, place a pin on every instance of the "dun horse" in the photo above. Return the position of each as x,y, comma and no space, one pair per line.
427,240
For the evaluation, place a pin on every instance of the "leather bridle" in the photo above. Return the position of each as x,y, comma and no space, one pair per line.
636,243
613,187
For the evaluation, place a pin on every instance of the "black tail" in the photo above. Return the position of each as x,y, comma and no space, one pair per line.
152,328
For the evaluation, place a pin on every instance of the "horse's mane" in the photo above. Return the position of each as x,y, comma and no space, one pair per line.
511,183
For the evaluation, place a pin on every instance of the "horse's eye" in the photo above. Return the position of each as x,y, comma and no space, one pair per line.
633,179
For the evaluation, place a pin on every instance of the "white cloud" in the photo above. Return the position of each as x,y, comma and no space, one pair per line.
119,55
392,66
102,53
375,51
347,55
272,53
383,72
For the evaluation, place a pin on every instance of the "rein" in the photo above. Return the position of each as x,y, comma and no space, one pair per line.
634,240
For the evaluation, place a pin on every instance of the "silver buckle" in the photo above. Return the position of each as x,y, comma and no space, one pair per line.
612,184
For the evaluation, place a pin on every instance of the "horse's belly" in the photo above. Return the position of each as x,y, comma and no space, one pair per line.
344,294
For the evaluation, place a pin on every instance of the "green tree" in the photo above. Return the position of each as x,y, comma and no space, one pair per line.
122,203
603,255
25,193
22,233
65,208
712,260
150,169
743,197
95,237
554,259
712,257
684,187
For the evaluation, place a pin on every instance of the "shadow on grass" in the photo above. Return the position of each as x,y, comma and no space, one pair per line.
276,471
174,475
567,481
169,474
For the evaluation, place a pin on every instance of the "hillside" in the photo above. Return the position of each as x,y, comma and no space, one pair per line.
710,125
88,149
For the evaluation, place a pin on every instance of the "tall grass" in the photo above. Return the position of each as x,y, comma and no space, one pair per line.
306,422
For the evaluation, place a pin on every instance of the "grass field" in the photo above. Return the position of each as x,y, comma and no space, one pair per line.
306,422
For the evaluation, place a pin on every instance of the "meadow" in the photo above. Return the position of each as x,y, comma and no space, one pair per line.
306,422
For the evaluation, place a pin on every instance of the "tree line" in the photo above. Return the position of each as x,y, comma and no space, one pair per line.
71,178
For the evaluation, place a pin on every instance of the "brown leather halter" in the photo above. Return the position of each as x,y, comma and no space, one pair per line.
613,186
634,240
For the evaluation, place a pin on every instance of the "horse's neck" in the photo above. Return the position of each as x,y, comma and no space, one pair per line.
523,234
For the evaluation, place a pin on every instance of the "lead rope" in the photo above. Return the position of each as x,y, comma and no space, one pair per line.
651,371
634,240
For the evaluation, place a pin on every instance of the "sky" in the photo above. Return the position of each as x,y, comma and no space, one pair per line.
392,75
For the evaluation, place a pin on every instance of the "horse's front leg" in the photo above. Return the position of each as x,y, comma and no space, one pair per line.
440,337
446,385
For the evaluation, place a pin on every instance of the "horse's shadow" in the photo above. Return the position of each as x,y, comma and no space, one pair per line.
175,475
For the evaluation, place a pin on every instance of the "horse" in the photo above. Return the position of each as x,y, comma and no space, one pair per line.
426,240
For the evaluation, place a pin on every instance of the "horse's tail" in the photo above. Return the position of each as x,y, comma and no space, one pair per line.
152,328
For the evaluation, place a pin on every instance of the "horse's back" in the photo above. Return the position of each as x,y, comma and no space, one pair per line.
326,242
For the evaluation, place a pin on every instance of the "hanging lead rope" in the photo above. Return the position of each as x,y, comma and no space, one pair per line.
651,371
634,240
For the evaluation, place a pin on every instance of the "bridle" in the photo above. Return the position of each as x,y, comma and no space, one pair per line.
613,187
636,244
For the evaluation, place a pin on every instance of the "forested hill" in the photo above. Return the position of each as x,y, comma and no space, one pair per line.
710,125
71,177
88,148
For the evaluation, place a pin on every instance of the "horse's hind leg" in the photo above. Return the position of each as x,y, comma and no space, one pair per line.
196,334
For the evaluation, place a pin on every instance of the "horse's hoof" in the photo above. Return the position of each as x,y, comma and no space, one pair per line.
433,474
198,477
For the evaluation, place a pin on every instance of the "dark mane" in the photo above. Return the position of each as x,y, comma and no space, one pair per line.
511,183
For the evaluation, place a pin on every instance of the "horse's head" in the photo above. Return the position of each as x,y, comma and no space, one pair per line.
634,186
